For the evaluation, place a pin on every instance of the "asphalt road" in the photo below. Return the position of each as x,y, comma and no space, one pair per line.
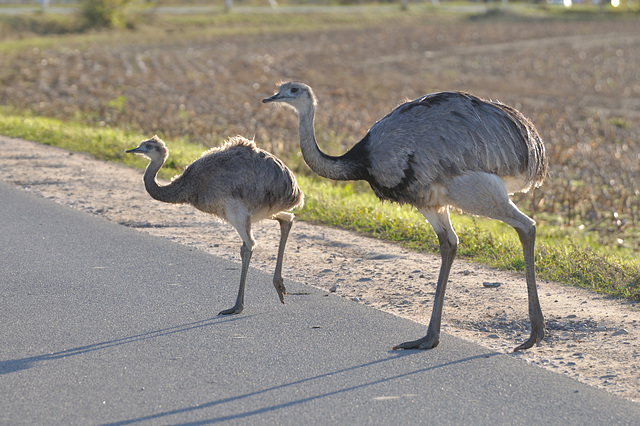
102,324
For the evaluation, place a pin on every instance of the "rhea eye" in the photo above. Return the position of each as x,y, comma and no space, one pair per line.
294,90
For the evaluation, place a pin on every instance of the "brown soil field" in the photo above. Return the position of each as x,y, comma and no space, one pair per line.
578,80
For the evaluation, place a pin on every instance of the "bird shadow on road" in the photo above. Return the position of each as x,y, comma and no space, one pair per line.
356,369
14,365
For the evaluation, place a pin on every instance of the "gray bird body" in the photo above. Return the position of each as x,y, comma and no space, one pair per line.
238,170
443,149
427,141
237,182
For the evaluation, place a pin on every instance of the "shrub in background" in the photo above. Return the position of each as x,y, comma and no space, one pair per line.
113,13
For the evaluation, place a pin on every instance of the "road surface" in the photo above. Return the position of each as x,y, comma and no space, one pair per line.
102,324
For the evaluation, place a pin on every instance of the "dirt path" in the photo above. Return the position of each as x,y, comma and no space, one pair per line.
590,338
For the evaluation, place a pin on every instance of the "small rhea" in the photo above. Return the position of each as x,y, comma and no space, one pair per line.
237,182
446,149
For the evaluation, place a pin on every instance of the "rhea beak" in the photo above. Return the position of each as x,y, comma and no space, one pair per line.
271,98
133,150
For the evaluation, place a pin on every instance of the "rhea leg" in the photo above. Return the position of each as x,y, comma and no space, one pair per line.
485,194
286,221
245,253
528,239
448,248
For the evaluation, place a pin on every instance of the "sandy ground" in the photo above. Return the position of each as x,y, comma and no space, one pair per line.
590,338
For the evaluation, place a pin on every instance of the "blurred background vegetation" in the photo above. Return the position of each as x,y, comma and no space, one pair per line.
89,14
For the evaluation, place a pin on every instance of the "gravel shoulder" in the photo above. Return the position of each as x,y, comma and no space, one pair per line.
591,338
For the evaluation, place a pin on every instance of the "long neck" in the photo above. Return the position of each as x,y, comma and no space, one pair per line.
336,168
167,193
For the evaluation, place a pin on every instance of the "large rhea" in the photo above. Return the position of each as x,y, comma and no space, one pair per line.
443,149
237,182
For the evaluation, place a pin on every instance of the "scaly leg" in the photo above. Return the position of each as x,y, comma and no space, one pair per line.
286,221
528,240
448,248
245,254
241,221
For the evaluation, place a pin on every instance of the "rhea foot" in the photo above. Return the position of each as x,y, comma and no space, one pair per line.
278,283
232,311
537,333
427,342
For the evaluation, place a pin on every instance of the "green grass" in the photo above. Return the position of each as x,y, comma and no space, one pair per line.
565,257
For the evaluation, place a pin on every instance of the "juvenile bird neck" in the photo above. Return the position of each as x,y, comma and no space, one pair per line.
165,193
336,168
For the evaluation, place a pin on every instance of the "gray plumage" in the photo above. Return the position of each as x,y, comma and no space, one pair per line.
443,149
237,182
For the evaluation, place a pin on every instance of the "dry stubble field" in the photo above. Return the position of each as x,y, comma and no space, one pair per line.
577,79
